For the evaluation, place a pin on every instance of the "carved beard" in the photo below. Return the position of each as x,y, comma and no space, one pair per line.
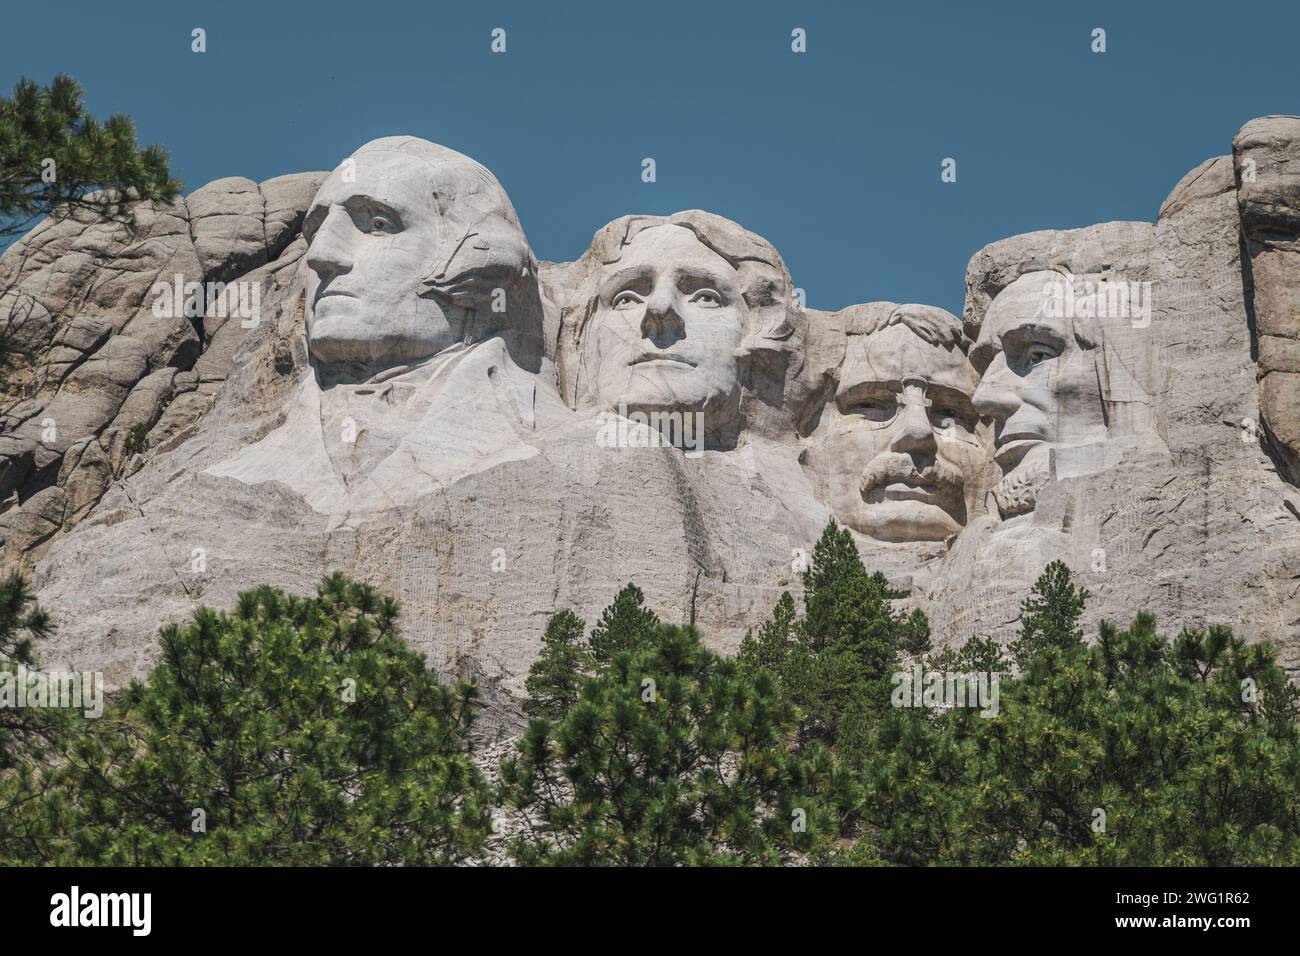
1017,493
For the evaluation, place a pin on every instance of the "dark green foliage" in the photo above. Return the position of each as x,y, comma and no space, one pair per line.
770,648
40,123
1134,751
626,625
977,654
673,755
28,735
21,621
1049,617
914,635
556,676
839,667
21,624
137,439
304,730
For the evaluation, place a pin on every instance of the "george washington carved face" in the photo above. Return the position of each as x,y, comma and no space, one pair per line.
407,243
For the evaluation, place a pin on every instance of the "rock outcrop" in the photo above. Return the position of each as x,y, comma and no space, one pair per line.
1266,162
107,365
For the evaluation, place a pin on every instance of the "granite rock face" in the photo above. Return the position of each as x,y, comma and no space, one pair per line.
1169,495
369,371
1266,163
110,328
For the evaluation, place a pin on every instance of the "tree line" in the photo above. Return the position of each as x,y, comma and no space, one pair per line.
302,730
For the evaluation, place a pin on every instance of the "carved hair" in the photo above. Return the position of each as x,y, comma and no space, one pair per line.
932,324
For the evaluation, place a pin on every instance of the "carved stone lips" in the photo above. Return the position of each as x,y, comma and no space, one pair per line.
330,299
897,487
917,489
641,358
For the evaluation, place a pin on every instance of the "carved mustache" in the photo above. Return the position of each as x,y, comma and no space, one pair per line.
890,467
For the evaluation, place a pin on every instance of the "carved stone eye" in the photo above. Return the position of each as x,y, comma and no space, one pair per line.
1041,353
378,224
707,298
877,408
626,300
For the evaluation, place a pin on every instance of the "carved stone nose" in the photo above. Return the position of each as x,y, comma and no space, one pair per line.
993,396
912,432
327,255
661,324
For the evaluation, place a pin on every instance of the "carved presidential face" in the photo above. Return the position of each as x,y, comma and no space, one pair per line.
1040,385
668,321
372,241
901,445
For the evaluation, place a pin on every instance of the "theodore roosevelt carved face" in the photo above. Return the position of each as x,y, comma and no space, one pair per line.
899,445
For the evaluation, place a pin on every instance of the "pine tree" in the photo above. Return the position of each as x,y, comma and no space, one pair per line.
915,635
847,641
53,154
671,756
290,731
30,737
770,648
555,678
1049,617
22,623
625,625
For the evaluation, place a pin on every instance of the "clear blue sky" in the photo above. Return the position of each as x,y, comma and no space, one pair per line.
834,155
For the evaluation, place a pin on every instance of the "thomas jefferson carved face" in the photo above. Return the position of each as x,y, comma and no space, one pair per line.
1040,385
407,241
901,443
671,315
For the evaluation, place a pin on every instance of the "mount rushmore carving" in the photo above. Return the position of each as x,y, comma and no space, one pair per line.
419,402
